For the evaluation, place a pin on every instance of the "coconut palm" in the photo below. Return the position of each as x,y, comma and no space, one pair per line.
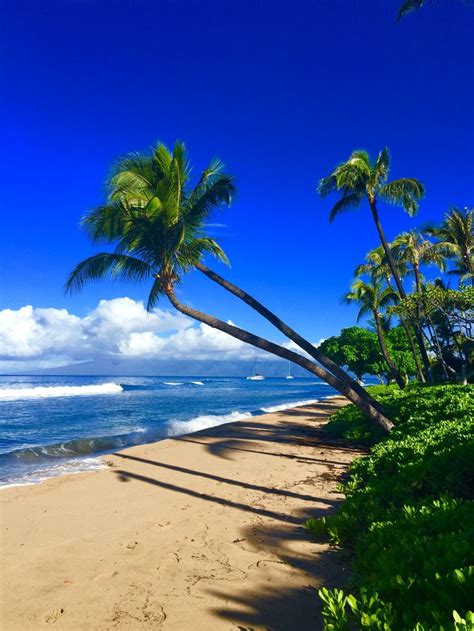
376,266
377,269
411,248
455,239
372,298
157,223
135,189
360,179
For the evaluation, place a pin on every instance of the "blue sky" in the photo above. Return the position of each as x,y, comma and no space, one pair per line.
281,92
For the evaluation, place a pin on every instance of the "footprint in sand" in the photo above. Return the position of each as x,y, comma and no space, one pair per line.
53,614
132,545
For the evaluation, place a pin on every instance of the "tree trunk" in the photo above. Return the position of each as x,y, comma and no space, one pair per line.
290,333
372,413
419,372
401,289
389,361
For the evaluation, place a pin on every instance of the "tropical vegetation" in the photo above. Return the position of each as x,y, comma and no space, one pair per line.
408,515
440,327
409,509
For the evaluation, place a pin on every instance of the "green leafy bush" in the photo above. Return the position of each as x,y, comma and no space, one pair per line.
408,515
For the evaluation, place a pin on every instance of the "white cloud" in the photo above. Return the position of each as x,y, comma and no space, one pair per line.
292,346
36,337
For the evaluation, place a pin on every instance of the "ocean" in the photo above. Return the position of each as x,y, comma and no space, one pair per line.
50,426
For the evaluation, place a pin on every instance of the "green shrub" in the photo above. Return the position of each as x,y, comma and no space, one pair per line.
408,515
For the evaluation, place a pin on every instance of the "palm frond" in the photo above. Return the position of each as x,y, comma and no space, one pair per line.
349,201
381,169
326,185
155,292
105,264
403,192
215,189
361,158
408,6
132,174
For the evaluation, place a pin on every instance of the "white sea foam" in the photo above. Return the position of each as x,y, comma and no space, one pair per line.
172,383
288,406
179,428
43,392
197,383
70,467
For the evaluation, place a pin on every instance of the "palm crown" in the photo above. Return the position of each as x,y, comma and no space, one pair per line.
360,178
413,249
376,266
455,238
371,297
155,219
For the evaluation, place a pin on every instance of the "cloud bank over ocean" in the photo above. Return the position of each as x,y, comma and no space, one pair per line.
122,328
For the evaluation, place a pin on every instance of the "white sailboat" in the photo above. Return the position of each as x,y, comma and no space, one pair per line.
289,375
255,376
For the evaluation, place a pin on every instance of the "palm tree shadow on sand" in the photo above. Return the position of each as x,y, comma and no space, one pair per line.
281,591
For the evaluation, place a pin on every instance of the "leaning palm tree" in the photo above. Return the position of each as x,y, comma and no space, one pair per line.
132,174
360,179
157,222
372,298
455,239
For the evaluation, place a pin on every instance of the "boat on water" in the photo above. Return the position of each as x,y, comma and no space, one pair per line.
255,376
289,375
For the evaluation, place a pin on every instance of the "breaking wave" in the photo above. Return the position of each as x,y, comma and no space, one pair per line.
287,406
74,448
44,392
179,428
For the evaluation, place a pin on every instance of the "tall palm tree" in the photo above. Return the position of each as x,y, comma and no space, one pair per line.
360,179
157,222
377,269
455,239
372,298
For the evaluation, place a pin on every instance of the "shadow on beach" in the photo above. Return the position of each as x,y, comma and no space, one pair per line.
279,537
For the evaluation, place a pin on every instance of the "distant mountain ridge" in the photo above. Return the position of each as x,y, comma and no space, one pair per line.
177,368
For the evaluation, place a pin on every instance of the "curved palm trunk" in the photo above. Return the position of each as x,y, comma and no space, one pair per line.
401,289
383,347
374,414
290,333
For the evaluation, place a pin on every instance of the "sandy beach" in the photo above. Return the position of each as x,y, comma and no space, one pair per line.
197,533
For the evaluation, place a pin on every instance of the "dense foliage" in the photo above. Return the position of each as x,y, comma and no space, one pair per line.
447,318
437,320
408,515
358,349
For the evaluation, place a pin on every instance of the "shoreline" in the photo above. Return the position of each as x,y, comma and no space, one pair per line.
202,532
99,457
